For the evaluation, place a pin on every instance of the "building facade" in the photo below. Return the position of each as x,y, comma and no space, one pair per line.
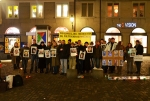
126,20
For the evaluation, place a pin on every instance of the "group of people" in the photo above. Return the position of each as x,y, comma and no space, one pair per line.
64,60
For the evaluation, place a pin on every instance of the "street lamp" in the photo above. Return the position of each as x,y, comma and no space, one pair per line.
72,20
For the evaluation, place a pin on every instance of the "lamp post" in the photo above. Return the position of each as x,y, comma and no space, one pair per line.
72,21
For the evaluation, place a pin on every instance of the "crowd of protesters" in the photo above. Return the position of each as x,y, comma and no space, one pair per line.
63,59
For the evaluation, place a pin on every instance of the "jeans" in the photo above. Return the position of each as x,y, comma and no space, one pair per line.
63,65
96,62
72,62
129,65
24,64
138,66
80,66
34,60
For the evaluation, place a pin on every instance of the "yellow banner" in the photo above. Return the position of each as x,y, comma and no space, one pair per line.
75,36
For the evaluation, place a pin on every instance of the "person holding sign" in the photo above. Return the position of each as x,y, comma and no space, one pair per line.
120,47
15,58
42,63
34,56
48,58
72,58
25,56
129,59
139,51
110,47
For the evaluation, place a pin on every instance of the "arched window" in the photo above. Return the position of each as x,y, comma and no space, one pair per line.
138,30
33,29
61,29
12,30
112,30
87,29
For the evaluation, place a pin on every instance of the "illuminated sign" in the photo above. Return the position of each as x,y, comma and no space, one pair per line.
126,25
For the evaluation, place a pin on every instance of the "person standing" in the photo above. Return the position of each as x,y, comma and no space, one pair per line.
63,51
97,54
129,59
119,47
48,60
79,61
15,59
25,59
42,63
139,51
55,60
110,47
34,57
72,59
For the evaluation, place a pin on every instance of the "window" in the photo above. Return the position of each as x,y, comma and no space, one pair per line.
87,10
12,11
62,10
138,9
37,11
112,9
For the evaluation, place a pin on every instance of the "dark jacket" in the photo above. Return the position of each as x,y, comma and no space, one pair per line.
79,48
64,53
139,49
97,52
22,51
36,45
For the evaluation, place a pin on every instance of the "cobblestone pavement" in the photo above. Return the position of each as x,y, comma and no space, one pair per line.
49,87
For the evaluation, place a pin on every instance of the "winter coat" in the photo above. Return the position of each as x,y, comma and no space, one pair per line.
139,49
63,54
22,50
97,52
14,58
108,46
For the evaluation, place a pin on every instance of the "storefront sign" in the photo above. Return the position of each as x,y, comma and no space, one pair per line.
127,25
75,36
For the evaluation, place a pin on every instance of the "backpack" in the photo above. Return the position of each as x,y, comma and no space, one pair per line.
17,81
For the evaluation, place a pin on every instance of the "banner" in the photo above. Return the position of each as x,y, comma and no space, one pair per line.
138,58
75,36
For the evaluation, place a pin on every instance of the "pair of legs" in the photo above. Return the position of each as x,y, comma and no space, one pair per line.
34,63
24,64
63,65
96,62
72,62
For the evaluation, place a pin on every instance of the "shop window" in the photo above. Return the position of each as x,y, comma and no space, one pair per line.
62,10
12,11
37,11
12,30
138,9
112,9
61,29
87,10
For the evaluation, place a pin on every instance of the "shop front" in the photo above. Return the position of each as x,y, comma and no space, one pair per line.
141,35
113,32
12,35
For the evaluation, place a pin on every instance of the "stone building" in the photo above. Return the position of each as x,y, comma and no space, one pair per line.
126,20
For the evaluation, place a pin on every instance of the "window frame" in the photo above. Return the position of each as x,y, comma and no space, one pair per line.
87,13
138,9
12,4
113,3
35,4
61,3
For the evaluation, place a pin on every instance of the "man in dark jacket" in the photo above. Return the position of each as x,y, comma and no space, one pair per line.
63,52
34,56
139,51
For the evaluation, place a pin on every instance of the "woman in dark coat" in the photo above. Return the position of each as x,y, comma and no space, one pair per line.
42,61
87,65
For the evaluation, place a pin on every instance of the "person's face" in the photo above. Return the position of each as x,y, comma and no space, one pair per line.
137,43
112,40
79,42
54,43
63,42
98,43
86,44
34,41
102,41
48,43
42,44
69,42
16,44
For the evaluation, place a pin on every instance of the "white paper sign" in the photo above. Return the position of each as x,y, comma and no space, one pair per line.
138,58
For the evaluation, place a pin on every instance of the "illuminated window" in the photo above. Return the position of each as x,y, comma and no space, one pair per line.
112,9
138,9
62,10
12,11
87,10
36,11
61,29
12,30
